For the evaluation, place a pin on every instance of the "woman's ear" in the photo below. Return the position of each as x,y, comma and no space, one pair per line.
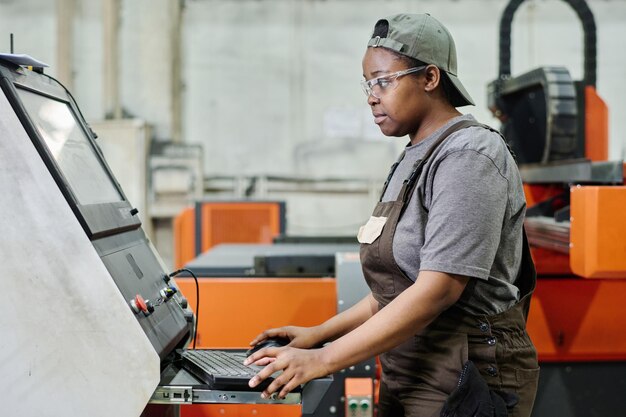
433,78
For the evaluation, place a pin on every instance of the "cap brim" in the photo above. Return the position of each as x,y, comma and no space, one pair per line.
462,97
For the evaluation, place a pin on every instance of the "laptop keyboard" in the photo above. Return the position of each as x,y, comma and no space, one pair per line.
217,362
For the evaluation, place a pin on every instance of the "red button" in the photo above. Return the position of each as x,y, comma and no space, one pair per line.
141,303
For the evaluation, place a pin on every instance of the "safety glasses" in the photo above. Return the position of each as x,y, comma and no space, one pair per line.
379,86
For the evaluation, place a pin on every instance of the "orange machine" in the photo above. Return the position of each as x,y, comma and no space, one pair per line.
261,303
578,310
575,224
198,228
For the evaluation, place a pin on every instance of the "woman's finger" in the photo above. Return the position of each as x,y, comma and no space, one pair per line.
288,387
276,384
265,372
280,332
259,354
264,361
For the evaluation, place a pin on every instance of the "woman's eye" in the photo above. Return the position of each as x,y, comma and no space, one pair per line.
384,82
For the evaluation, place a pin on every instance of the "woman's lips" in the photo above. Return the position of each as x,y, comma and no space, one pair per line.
378,118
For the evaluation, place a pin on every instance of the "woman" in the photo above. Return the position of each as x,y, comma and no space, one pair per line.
443,253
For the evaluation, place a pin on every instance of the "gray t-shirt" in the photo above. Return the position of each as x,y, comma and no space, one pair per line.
465,216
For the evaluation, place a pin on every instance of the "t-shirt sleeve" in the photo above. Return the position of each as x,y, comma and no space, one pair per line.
465,215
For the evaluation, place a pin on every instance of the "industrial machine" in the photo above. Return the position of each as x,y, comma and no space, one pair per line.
285,283
558,128
208,223
72,237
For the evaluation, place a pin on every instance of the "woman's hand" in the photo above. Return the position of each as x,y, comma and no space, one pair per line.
298,366
299,337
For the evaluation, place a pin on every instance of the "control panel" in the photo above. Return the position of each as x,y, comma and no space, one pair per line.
359,397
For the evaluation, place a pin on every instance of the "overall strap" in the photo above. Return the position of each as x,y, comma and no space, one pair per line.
409,183
391,171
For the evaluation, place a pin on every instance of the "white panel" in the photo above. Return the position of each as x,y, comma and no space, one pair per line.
146,62
70,345
88,57
125,144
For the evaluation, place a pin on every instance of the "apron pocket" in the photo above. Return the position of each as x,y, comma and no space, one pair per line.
439,358
524,383
371,230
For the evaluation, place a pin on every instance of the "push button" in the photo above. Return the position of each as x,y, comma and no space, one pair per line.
492,371
484,327
138,304
491,341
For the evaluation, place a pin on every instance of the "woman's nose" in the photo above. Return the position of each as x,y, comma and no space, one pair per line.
371,100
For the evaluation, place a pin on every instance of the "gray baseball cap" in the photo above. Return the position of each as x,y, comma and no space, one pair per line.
422,37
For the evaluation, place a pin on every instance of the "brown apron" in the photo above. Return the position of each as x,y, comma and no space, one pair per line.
424,370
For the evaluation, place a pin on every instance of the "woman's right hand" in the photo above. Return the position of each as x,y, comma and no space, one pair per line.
299,337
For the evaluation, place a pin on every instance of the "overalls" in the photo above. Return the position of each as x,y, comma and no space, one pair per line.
424,370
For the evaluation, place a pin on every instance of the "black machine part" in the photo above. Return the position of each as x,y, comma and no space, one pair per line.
589,28
298,265
539,113
543,110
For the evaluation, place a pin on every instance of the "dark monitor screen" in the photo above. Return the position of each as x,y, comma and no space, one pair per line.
62,138
71,149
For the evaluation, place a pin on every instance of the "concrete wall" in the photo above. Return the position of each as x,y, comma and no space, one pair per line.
271,87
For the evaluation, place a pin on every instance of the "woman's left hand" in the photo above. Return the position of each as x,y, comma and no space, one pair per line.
298,366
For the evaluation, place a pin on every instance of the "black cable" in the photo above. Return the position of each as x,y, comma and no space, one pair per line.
73,100
585,15
195,278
